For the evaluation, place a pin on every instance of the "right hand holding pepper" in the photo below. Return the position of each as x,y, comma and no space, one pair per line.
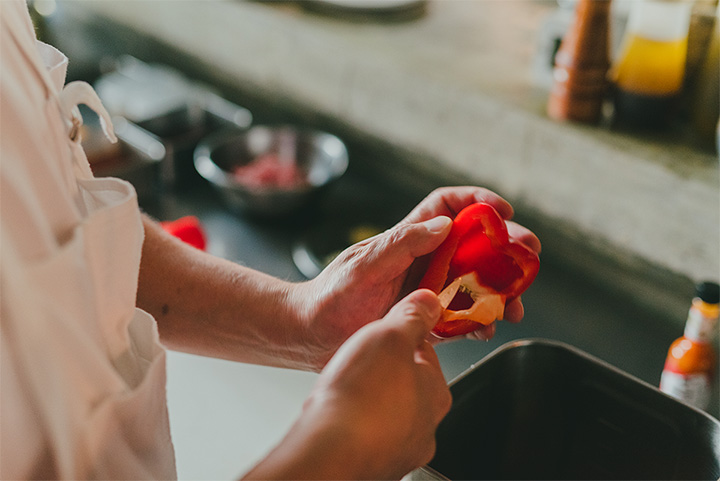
375,407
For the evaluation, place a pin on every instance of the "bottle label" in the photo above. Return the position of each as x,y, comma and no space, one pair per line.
698,327
693,389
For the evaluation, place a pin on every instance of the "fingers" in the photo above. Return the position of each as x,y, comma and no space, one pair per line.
393,251
524,235
425,354
514,311
484,333
420,238
438,224
416,314
419,312
449,201
424,229
502,206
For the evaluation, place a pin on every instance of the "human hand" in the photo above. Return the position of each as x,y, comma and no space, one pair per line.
374,409
451,200
366,279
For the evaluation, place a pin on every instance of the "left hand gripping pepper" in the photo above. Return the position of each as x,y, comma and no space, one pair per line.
477,270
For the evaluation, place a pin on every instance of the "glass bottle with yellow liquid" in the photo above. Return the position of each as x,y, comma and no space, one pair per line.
649,70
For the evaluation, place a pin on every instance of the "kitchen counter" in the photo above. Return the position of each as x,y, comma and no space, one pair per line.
450,96
627,223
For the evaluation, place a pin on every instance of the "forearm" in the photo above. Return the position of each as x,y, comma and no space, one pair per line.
374,409
210,306
313,449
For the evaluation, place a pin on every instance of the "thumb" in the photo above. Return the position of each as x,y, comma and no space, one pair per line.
416,314
397,248
423,237
429,234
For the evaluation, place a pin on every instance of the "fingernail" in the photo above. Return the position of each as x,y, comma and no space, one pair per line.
437,224
429,302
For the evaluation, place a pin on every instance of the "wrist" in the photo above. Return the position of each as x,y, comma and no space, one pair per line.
305,302
316,447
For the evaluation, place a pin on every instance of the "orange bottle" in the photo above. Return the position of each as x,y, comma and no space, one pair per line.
581,65
690,365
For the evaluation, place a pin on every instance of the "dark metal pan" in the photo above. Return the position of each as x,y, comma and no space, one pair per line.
539,409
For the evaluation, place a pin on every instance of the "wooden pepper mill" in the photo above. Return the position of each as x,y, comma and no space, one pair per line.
581,65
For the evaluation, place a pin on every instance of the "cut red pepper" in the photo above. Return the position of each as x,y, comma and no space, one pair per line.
188,229
477,270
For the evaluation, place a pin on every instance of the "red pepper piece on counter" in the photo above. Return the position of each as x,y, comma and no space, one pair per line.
188,229
477,270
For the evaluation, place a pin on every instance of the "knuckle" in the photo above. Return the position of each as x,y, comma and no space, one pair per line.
393,338
413,313
438,193
397,234
348,255
354,258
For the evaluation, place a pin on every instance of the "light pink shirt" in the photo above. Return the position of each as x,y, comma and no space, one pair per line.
82,374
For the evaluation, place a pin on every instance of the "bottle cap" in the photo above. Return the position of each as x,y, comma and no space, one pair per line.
708,292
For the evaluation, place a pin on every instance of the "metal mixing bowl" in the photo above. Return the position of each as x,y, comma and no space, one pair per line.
318,158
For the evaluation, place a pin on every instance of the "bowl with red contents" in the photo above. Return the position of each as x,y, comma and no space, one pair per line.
271,171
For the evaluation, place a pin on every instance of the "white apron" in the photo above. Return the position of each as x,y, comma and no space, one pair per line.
82,371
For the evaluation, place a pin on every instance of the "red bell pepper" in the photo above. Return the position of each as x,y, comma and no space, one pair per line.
188,229
477,270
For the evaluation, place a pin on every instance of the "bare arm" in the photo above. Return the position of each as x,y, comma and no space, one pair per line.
381,394
373,412
213,307
210,306
374,409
